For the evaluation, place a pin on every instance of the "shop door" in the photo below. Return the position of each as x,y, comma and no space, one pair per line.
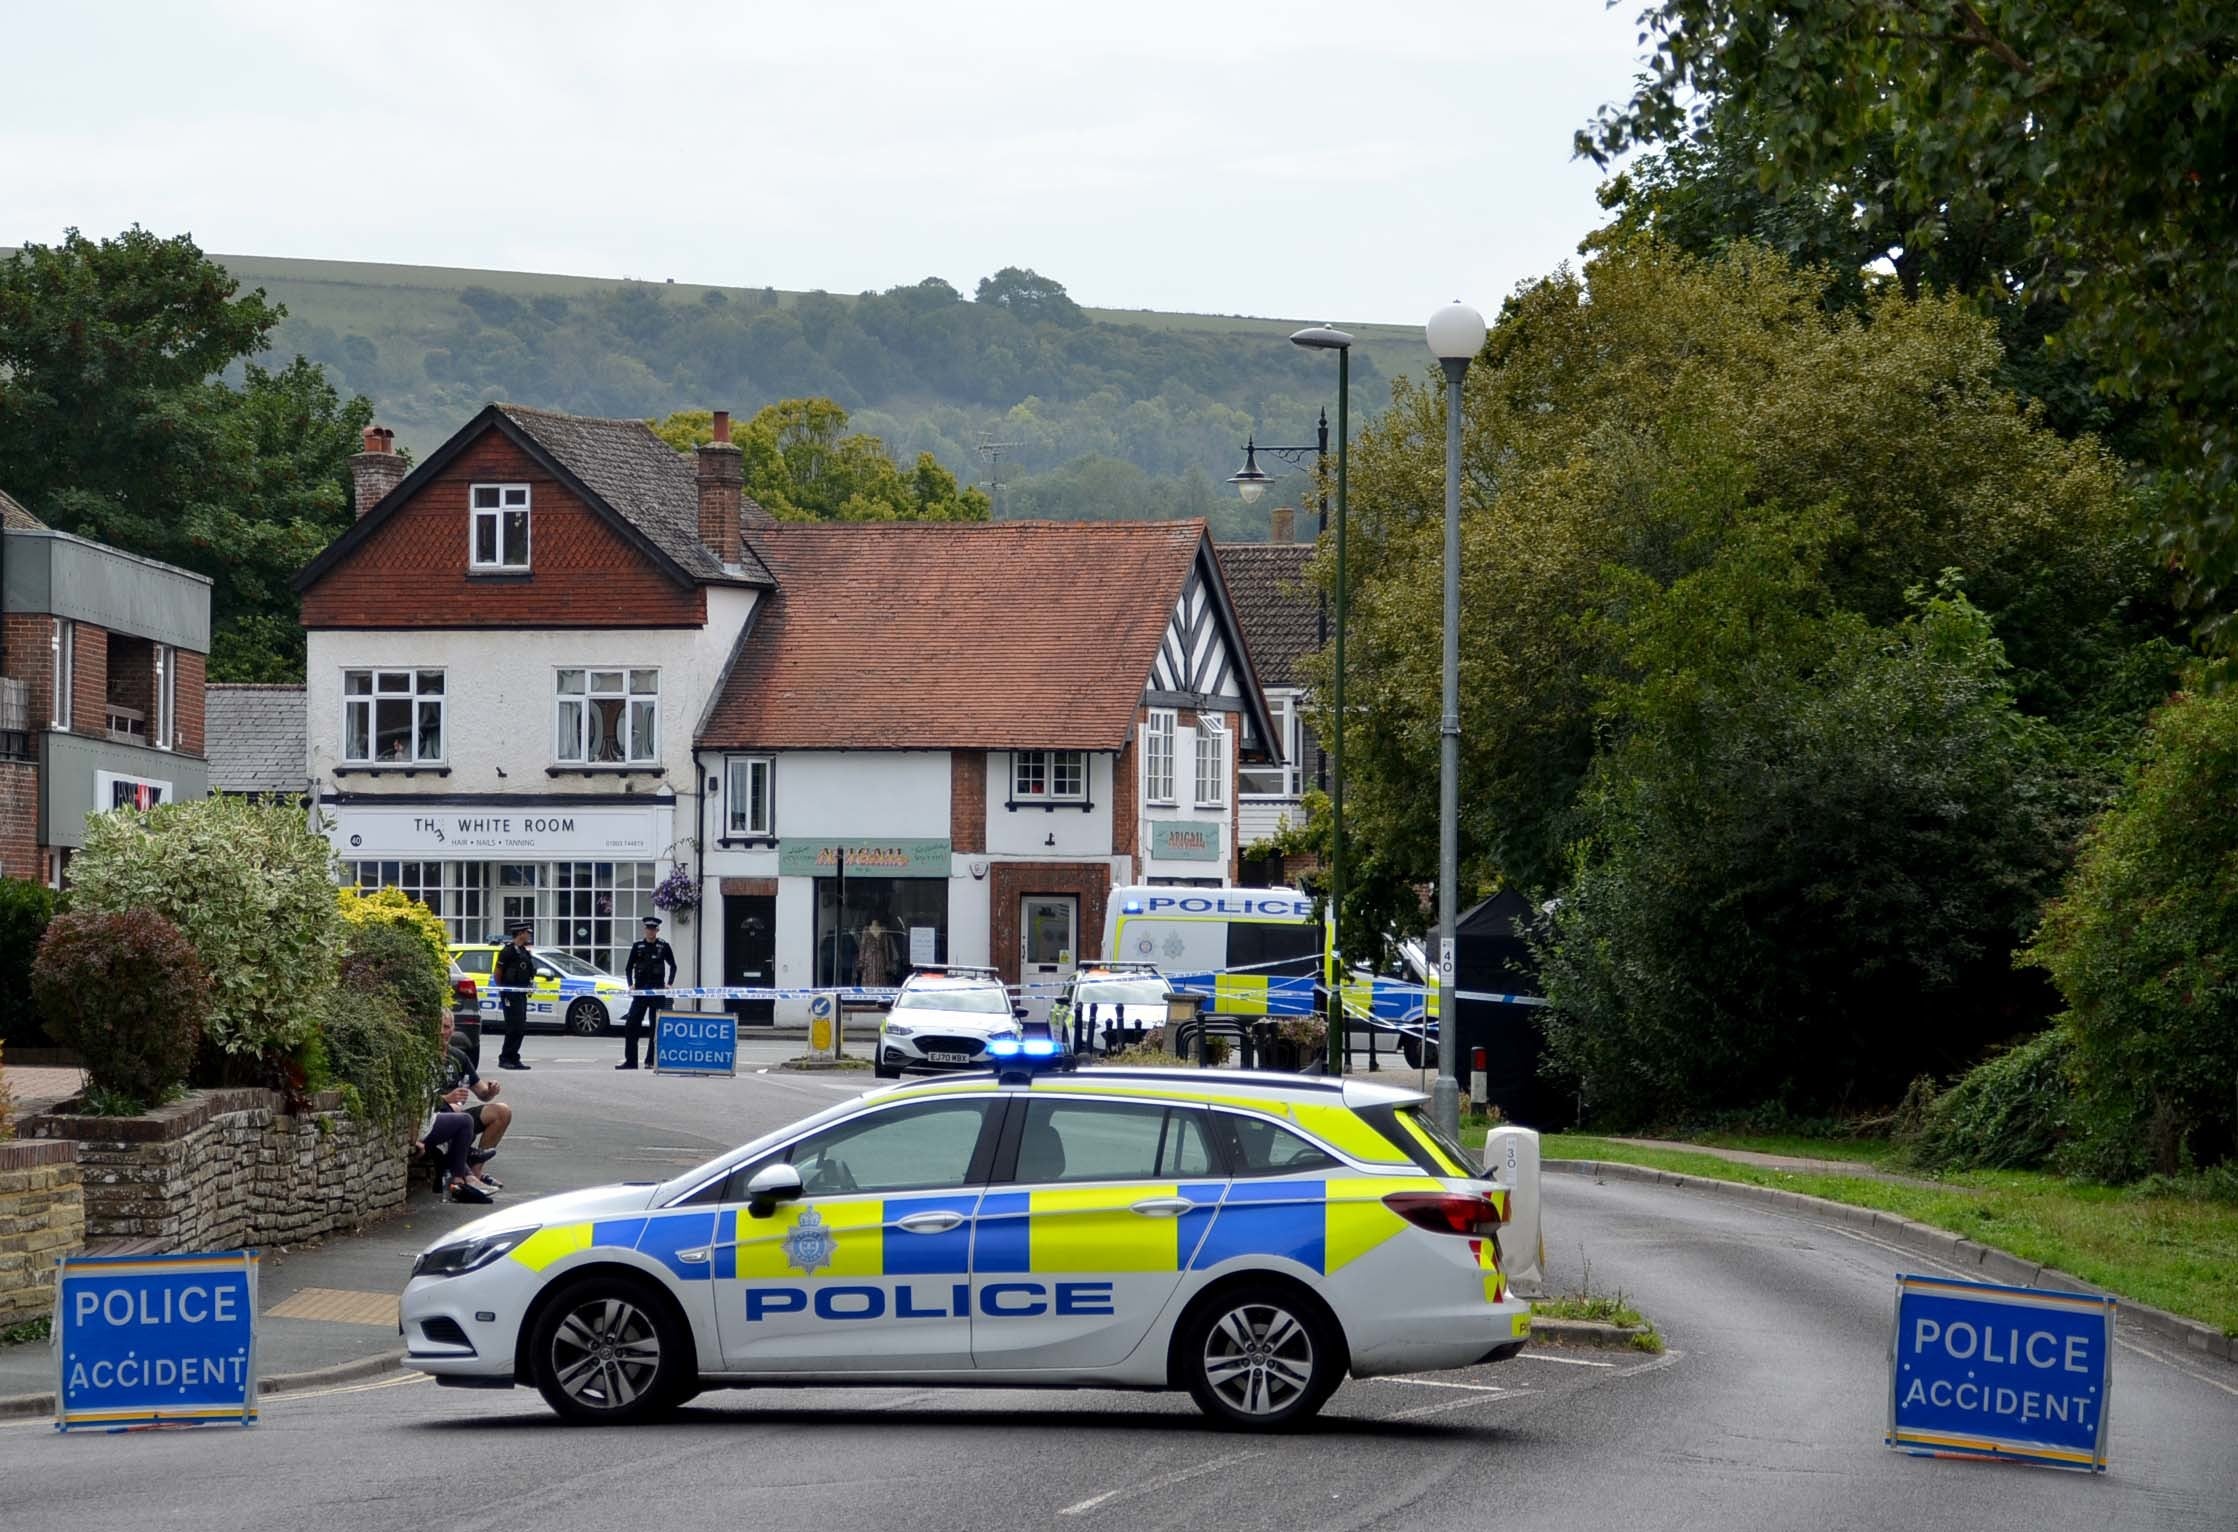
1049,941
750,952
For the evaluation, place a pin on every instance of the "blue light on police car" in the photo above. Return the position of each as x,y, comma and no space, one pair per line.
1040,1047
1003,1047
1131,907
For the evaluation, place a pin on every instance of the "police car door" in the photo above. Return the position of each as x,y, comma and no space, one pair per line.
870,1268
1084,1237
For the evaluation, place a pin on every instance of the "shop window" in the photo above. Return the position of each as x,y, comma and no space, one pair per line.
749,811
608,717
1157,757
1212,762
886,926
392,717
500,535
453,891
1048,776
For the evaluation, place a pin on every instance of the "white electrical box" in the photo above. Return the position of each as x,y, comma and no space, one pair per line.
1511,1157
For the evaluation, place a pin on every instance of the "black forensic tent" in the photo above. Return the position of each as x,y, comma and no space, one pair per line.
1492,957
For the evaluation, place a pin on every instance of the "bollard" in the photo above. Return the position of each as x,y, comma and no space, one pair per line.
1480,1092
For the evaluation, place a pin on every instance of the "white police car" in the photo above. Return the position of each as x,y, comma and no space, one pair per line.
945,1018
1250,1238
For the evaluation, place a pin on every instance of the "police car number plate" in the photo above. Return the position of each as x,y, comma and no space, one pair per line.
949,1058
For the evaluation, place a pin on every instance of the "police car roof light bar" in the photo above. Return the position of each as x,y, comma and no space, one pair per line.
954,970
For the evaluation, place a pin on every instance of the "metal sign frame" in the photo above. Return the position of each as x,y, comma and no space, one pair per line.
80,1267
661,1064
1919,1441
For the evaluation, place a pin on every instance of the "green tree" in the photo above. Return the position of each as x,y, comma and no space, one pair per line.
1031,296
2102,133
803,464
2143,944
116,423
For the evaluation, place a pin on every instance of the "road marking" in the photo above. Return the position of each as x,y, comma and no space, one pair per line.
1479,1388
1421,1410
1566,1361
405,1381
1163,1481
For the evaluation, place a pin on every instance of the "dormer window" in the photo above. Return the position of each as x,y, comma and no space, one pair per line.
500,536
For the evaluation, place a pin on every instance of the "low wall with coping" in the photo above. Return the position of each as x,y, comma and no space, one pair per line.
42,1216
231,1169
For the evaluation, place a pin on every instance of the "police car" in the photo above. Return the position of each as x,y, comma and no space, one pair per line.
1108,1006
568,992
945,1018
1253,1239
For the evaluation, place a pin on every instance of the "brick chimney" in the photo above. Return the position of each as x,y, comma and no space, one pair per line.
1283,526
722,480
376,470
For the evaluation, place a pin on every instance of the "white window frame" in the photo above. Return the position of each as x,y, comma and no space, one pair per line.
1285,706
1212,785
1038,776
496,513
414,697
1157,756
739,772
62,643
572,746
166,697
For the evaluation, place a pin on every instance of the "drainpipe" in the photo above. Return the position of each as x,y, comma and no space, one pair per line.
699,867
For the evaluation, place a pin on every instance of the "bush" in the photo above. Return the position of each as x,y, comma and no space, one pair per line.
252,887
394,907
386,1064
25,909
390,959
2007,1114
2143,944
129,993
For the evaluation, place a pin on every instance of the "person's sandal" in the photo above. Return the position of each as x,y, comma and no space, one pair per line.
467,1191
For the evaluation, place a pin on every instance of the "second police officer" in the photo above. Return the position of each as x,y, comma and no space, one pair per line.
651,965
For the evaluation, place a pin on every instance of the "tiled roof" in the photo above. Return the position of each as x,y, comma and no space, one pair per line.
896,635
1274,604
649,483
254,738
12,514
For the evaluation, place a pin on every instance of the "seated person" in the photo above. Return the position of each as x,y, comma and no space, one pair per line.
463,1090
447,1138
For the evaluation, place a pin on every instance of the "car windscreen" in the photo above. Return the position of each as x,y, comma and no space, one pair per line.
977,1001
1121,992
569,964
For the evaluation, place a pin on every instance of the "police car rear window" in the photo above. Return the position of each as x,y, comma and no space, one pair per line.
1256,1147
1111,1141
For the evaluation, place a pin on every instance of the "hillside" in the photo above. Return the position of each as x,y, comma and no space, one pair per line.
1107,412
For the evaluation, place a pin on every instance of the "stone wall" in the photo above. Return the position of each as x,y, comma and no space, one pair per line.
42,1215
229,1169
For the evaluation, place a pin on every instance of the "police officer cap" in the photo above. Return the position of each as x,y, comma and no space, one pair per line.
654,921
517,927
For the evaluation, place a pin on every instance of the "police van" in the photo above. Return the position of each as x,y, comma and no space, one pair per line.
1254,951
1253,1239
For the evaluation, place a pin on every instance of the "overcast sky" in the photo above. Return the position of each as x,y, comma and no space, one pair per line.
1354,161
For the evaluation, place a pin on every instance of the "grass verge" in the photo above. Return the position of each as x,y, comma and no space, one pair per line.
2176,1253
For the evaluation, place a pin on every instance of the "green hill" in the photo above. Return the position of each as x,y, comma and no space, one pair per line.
1106,412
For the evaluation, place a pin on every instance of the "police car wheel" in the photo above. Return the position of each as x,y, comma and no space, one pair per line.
606,1352
1256,1357
586,1018
885,1071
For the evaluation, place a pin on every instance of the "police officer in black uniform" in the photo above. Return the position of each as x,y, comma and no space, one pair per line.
515,973
651,964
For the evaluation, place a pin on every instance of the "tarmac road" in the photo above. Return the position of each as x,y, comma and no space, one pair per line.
1767,1412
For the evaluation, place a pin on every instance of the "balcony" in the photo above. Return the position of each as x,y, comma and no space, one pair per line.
127,726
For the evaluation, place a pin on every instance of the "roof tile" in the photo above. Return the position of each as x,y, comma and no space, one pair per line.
1274,604
254,738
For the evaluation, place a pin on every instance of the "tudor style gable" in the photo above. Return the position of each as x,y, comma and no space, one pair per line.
1196,663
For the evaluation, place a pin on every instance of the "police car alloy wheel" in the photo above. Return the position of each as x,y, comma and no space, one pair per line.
606,1352
586,1018
1259,1358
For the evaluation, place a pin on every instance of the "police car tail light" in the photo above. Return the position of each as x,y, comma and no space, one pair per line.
466,1255
1447,1212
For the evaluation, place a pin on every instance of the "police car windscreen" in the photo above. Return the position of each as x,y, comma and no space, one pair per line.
978,1002
1275,946
569,964
1123,992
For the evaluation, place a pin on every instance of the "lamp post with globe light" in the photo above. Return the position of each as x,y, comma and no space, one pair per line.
1456,334
1251,482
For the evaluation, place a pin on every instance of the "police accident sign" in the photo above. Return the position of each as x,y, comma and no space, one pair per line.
155,1340
2018,1373
695,1043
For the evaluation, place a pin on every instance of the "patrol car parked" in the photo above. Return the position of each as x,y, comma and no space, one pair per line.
1111,1005
1253,1239
945,1018
569,993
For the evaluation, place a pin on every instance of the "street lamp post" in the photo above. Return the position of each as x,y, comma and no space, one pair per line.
1251,482
1456,335
1326,338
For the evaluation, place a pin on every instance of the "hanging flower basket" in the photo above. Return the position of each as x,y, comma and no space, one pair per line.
678,893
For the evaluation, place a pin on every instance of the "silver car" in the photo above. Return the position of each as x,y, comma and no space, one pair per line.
946,1019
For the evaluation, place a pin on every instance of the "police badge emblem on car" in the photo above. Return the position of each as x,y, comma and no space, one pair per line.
809,1245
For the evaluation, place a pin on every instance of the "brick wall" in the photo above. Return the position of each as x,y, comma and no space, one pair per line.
19,820
1012,881
967,800
89,680
30,660
1126,793
42,1216
583,572
226,1170
192,688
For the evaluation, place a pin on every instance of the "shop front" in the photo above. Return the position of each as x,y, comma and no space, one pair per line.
880,907
581,874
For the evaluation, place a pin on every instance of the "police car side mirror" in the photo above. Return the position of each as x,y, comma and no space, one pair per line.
771,1185
1018,1011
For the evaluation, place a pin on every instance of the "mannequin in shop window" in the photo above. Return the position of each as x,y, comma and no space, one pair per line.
874,965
